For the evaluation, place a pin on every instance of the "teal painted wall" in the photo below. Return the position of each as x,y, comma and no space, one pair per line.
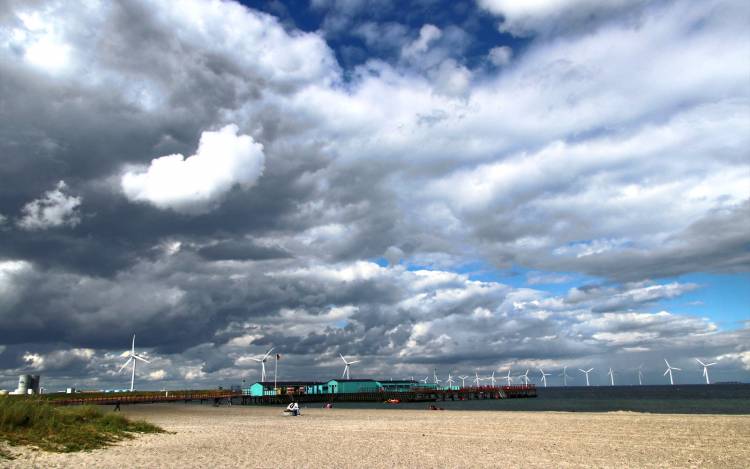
340,387
321,388
256,390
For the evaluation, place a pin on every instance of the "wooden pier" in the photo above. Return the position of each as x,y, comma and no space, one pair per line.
148,398
416,395
224,396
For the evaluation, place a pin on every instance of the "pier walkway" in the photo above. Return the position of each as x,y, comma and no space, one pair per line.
225,396
416,395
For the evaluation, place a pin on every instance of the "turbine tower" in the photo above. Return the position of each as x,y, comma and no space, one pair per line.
132,357
525,378
669,371
491,379
347,364
544,377
262,361
565,375
640,374
477,379
508,378
705,369
586,372
463,380
611,375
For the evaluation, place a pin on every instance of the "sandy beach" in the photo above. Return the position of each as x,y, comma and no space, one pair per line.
205,436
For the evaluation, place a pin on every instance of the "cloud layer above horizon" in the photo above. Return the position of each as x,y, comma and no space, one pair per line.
416,191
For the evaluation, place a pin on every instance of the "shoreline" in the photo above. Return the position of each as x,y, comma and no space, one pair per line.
234,436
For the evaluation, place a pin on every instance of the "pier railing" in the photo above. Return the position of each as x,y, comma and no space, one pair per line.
218,396
415,395
145,398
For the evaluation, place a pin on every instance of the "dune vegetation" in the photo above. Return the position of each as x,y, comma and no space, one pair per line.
37,423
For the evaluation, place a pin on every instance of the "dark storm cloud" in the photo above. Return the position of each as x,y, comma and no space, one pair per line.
239,250
560,161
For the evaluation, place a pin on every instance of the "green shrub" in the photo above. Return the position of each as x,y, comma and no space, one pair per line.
25,421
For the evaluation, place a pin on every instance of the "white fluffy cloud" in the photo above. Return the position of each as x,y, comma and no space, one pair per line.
157,375
427,35
195,183
500,56
54,208
58,360
12,273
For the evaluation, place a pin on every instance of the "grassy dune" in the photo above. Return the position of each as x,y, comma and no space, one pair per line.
37,423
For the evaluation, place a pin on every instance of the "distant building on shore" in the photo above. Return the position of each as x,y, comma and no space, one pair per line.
27,384
333,386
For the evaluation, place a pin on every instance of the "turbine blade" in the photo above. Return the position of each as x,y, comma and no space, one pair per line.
700,362
268,353
141,358
711,364
676,369
125,365
665,373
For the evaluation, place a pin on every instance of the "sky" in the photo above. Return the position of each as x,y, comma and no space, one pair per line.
467,186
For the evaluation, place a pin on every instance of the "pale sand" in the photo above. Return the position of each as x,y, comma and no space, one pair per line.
261,437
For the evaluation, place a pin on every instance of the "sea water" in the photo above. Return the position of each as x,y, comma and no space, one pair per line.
678,399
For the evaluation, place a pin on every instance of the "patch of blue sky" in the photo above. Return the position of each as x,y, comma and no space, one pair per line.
381,261
723,298
351,49
341,324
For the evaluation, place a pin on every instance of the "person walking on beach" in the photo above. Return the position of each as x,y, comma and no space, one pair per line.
117,407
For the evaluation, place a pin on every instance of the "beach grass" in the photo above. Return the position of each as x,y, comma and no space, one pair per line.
34,422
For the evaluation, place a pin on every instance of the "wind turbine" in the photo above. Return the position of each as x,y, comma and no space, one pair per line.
434,376
705,368
586,372
463,380
132,357
345,375
611,375
262,361
477,379
669,370
508,378
525,378
491,379
424,381
640,374
544,377
449,380
565,375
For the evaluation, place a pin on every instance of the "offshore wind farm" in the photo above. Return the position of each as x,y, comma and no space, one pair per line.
564,392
